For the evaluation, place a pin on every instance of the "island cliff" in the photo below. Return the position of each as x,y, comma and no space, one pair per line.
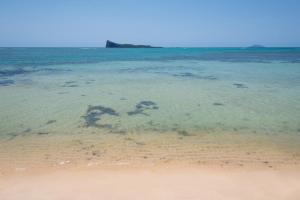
110,44
256,46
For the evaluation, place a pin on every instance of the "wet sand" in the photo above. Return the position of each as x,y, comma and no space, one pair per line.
133,166
154,183
32,153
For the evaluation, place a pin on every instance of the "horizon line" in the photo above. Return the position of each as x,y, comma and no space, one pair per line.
146,48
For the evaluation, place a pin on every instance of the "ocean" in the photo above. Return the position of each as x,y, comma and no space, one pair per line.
222,106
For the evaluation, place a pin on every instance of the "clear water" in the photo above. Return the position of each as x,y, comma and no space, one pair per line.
156,92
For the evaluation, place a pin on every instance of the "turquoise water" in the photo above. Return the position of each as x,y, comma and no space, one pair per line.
113,106
51,56
185,90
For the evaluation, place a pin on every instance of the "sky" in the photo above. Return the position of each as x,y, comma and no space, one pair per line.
169,23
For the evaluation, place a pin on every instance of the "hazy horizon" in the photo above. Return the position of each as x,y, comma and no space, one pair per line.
146,44
32,23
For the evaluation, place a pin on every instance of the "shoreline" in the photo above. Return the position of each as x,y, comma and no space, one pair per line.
86,151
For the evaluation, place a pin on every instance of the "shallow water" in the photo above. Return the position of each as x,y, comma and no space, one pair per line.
151,93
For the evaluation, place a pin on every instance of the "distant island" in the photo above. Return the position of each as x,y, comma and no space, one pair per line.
256,46
110,44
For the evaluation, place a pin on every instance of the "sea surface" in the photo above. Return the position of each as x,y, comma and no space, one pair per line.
110,106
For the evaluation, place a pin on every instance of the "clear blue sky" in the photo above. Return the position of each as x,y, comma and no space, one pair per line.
156,22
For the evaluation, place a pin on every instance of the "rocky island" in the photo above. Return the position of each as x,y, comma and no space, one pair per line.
110,44
255,46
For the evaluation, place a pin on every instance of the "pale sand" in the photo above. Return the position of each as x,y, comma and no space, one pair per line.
155,183
165,166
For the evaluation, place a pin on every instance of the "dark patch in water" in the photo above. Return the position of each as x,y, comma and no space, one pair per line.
70,84
184,133
88,82
13,72
240,85
43,133
128,138
6,82
123,99
151,123
208,77
27,130
107,126
63,93
51,121
94,114
121,132
191,75
12,136
146,105
135,112
142,106
52,70
22,71
188,115
74,85
186,74
218,104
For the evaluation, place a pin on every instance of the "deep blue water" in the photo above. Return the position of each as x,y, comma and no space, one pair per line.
53,56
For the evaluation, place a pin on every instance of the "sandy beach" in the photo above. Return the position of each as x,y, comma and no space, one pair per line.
153,183
93,166
149,100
